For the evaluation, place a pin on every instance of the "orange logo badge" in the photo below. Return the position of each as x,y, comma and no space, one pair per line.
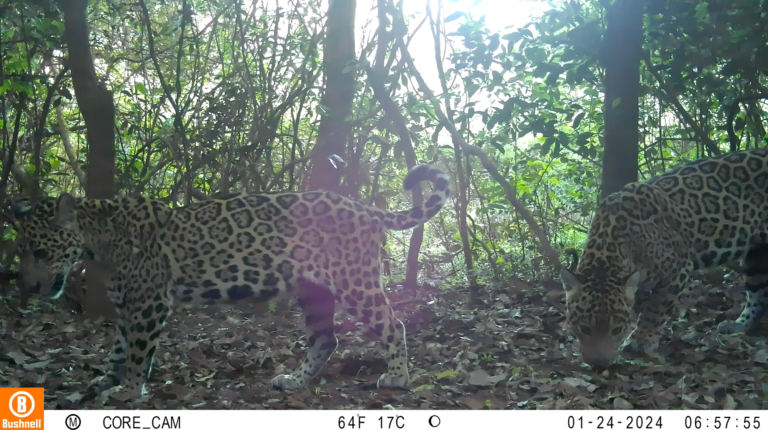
21,408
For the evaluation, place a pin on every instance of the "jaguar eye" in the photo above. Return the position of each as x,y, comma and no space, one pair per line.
616,331
585,330
40,254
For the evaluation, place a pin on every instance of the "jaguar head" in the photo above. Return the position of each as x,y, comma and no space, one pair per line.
601,313
49,244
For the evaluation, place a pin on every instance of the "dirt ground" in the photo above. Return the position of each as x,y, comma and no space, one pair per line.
511,354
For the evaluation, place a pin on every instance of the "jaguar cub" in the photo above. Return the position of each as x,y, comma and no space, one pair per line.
645,241
320,246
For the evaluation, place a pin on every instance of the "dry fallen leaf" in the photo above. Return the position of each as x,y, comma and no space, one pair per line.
480,377
222,358
621,403
18,356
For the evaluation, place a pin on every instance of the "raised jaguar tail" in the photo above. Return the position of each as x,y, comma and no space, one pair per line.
432,204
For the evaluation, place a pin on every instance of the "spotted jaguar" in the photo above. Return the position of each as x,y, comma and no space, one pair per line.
646,240
318,246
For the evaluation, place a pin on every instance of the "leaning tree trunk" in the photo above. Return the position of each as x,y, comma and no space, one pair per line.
97,106
330,148
622,54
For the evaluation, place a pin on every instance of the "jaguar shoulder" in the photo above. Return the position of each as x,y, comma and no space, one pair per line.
317,245
645,241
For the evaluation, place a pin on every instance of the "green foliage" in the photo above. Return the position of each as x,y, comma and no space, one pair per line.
229,98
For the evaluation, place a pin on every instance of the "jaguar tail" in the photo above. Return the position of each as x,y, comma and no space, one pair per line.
432,204
574,254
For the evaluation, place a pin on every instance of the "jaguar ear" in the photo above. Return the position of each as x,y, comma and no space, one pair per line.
571,283
66,214
633,282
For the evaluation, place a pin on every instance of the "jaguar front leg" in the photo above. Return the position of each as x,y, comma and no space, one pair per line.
142,339
656,308
133,352
645,338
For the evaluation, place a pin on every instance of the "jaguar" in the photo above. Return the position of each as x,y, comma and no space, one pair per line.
318,246
647,239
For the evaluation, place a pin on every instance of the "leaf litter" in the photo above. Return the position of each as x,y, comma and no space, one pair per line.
512,353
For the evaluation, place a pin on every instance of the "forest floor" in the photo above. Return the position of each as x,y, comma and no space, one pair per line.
511,354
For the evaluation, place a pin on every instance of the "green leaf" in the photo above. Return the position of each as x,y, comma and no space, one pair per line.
448,374
577,120
493,43
139,86
701,11
436,134
473,87
581,140
616,102
495,143
454,16
556,151
492,122
739,124
546,146
552,79
496,207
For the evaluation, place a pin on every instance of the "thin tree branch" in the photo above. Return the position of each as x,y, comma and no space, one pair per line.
732,138
546,249
665,90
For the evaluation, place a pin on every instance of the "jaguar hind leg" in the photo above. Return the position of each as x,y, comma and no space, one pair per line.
392,331
756,282
374,310
318,305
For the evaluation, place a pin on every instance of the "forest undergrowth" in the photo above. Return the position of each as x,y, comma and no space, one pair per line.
511,353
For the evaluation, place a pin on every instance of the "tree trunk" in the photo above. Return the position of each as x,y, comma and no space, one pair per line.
338,51
376,78
622,54
97,106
